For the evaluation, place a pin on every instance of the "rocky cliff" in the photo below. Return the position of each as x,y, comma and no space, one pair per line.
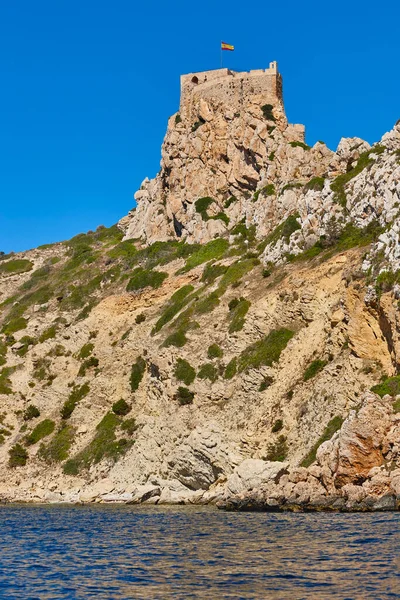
234,339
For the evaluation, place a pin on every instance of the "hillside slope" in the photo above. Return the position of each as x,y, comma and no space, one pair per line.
221,343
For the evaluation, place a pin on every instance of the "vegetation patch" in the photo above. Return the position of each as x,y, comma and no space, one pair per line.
103,445
267,190
77,394
184,371
143,278
5,381
42,430
89,363
316,184
277,426
208,371
237,315
278,451
137,372
267,112
338,185
211,251
333,426
231,369
282,231
48,334
265,351
57,450
31,412
17,265
174,305
121,408
215,351
299,145
212,271
184,396
85,351
313,369
14,325
230,201
18,456
390,386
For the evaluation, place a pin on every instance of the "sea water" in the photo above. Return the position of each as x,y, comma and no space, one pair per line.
113,552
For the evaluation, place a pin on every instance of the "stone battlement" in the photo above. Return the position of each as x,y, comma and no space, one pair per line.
232,87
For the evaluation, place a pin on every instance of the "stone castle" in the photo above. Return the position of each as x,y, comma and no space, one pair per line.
237,90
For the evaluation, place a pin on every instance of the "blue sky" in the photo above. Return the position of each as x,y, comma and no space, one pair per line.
87,88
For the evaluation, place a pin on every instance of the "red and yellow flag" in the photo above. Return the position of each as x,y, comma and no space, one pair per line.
227,46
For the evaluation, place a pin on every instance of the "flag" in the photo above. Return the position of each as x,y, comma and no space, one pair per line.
226,46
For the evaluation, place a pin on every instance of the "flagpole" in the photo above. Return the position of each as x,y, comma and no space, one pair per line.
221,53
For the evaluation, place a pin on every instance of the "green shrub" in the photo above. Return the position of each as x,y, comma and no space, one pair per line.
316,184
236,271
207,304
57,450
338,185
42,429
121,408
198,124
137,372
208,371
48,334
214,351
85,351
17,265
31,412
184,371
390,386
238,314
93,361
284,230
278,451
211,272
143,278
140,318
210,251
266,351
18,456
202,205
313,369
333,426
77,394
178,119
103,445
14,325
230,201
177,301
5,381
299,145
27,341
129,425
266,383
267,112
277,426
184,396
177,339
267,190
231,369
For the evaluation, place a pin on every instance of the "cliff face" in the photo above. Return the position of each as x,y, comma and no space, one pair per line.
230,341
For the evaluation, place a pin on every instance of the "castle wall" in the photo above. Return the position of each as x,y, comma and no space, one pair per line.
233,88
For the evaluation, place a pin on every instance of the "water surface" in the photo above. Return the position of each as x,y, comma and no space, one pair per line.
114,552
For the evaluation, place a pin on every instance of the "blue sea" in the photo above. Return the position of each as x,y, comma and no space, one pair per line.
113,552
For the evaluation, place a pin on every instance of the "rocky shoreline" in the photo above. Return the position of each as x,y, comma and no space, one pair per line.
354,471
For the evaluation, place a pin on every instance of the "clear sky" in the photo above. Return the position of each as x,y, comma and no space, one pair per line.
87,87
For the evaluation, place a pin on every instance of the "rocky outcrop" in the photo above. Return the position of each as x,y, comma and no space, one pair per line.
232,367
356,470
